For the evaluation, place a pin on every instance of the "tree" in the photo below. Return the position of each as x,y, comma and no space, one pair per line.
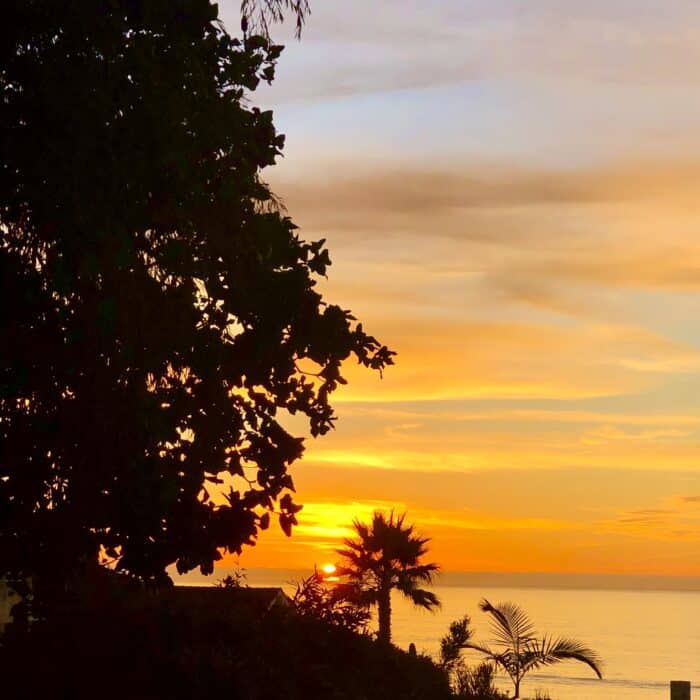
521,650
158,310
236,579
387,555
467,683
337,604
453,642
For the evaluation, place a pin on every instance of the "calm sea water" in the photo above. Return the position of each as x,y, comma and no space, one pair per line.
646,638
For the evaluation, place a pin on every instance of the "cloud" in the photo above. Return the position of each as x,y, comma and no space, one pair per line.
343,196
646,515
494,451
464,520
668,524
364,46
479,414
675,270
411,189
605,434
558,243
441,360
329,522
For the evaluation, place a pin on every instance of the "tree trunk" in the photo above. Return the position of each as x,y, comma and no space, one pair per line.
384,605
517,689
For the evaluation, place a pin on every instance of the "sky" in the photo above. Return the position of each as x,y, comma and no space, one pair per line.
509,191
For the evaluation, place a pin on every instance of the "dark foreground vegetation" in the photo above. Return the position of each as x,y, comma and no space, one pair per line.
153,646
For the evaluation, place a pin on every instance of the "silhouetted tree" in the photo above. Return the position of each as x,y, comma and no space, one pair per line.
158,311
477,683
236,579
338,604
467,683
453,642
521,651
386,555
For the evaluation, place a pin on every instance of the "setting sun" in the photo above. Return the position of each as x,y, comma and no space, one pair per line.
328,569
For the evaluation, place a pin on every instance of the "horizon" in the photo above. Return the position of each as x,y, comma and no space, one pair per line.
472,579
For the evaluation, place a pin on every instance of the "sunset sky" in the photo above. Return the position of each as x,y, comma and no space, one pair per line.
510,191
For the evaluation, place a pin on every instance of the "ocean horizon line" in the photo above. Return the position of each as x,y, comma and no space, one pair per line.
473,579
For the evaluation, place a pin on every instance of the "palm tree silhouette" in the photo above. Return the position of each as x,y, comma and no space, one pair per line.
386,554
521,650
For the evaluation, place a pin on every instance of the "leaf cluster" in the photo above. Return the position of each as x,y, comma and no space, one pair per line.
337,604
259,15
476,683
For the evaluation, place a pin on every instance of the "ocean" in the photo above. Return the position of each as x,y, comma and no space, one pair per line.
646,638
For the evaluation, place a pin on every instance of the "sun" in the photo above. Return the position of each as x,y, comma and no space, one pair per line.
329,569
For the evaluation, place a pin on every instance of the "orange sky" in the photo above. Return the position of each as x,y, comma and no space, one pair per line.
510,197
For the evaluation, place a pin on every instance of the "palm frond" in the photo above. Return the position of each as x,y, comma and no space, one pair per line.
563,648
421,598
260,14
498,659
486,651
422,572
511,625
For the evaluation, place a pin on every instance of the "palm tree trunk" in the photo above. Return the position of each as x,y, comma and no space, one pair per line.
517,689
384,605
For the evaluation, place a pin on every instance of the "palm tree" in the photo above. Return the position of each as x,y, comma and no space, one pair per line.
521,650
260,14
387,554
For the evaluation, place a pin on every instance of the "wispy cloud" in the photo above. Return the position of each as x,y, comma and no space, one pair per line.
410,188
368,46
443,360
666,523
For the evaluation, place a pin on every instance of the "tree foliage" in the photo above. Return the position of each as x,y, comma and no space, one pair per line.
236,579
476,683
158,310
451,645
258,15
386,555
337,604
468,683
520,650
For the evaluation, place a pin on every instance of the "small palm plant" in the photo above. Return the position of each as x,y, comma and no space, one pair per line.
521,650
